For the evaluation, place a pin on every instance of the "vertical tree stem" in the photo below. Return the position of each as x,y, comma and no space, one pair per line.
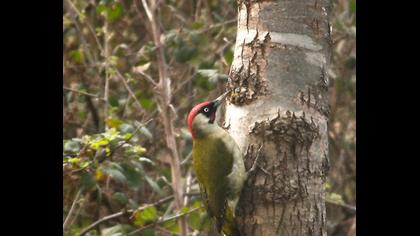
163,96
106,55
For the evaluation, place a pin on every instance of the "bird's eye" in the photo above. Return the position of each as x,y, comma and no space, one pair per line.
206,109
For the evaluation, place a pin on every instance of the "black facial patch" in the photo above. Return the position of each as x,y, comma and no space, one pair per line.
209,111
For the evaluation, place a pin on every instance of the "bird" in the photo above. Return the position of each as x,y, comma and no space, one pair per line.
218,164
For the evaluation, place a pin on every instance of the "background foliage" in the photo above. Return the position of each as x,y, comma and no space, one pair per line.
114,158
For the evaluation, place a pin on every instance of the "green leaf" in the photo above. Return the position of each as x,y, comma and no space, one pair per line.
86,139
87,181
85,164
143,130
113,101
72,146
149,214
194,220
133,175
172,226
127,136
100,9
196,38
148,232
115,171
99,143
112,133
77,56
147,103
114,12
185,53
197,25
74,160
81,114
327,186
334,197
113,122
120,197
154,185
126,129
145,159
117,230
142,67
185,209
137,149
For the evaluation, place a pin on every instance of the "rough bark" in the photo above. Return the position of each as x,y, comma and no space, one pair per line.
280,101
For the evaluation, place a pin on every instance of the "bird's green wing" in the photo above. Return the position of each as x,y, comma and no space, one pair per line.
212,162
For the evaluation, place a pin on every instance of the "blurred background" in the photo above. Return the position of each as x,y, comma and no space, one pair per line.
114,157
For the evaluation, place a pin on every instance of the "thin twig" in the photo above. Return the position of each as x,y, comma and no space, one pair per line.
187,159
147,10
161,221
218,25
157,203
106,55
87,24
85,44
127,87
122,213
185,82
83,93
128,140
347,206
102,220
79,209
148,77
72,208
163,95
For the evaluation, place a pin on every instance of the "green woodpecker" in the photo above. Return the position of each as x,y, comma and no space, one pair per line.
218,164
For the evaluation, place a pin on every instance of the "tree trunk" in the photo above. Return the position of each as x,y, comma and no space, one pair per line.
279,110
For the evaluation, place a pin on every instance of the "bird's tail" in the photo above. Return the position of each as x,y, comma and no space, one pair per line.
229,227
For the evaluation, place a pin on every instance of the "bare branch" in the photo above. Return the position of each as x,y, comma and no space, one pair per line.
71,4
127,87
147,10
163,96
72,208
122,213
83,93
128,140
148,77
161,221
106,55
347,206
187,159
218,25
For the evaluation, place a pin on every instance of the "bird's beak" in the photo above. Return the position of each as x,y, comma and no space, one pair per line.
220,99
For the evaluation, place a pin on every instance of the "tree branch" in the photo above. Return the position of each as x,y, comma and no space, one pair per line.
347,206
127,87
83,93
106,55
163,221
72,208
148,77
122,213
163,96
74,8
